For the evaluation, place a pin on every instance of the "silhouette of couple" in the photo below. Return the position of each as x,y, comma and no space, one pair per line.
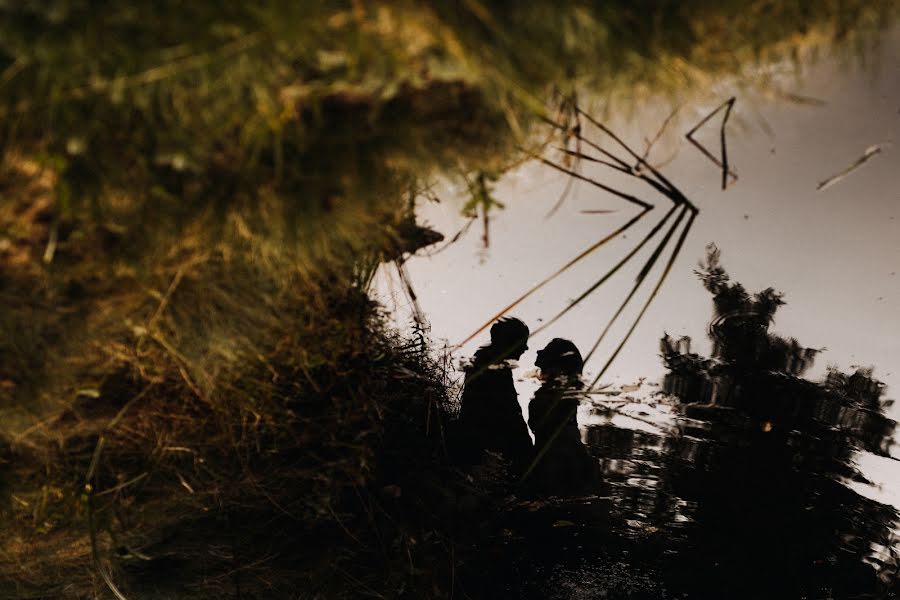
490,417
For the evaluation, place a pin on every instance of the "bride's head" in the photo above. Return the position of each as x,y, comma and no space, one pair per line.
559,358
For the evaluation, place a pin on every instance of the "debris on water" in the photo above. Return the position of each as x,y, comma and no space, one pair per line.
633,387
534,505
721,162
869,153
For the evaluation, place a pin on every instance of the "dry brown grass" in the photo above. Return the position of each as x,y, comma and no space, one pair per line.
212,420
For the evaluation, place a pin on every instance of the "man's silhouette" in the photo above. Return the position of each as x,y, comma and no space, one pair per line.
562,463
490,417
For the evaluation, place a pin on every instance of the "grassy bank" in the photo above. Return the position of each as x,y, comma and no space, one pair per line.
198,398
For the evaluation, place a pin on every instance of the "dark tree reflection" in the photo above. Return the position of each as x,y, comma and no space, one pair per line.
769,449
744,494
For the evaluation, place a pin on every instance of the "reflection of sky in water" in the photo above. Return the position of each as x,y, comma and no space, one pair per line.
835,253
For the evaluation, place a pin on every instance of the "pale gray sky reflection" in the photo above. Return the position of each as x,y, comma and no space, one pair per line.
834,253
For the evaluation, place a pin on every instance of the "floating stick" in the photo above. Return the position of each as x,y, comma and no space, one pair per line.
659,283
869,153
723,163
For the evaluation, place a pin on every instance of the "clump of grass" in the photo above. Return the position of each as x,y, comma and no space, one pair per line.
220,409
263,475
320,116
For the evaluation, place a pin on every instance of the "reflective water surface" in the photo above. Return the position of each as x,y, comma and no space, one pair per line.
729,480
739,464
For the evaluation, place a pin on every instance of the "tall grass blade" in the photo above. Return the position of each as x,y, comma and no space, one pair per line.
586,252
668,188
593,159
604,187
639,281
665,273
608,274
628,170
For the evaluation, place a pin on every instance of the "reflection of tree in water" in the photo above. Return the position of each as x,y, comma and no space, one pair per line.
742,497
768,449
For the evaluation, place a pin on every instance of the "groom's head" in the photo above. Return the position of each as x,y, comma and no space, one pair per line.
510,336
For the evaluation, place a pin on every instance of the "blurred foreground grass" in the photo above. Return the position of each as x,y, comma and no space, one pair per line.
191,198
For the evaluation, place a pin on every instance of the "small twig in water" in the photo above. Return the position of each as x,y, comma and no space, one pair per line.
869,153
587,251
723,163
651,143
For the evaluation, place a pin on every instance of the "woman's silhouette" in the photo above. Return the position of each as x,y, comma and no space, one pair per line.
561,463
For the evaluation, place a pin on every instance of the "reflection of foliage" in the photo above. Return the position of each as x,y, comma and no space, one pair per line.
482,194
482,200
767,451
732,297
759,372
859,387
266,465
740,327
152,109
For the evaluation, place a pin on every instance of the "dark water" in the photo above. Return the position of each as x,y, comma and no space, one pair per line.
737,480
741,498
730,481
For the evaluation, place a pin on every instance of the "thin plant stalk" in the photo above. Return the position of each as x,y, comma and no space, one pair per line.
665,273
638,281
586,252
608,274
604,187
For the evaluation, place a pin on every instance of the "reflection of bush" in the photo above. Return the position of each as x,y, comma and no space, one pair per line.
769,451
752,367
